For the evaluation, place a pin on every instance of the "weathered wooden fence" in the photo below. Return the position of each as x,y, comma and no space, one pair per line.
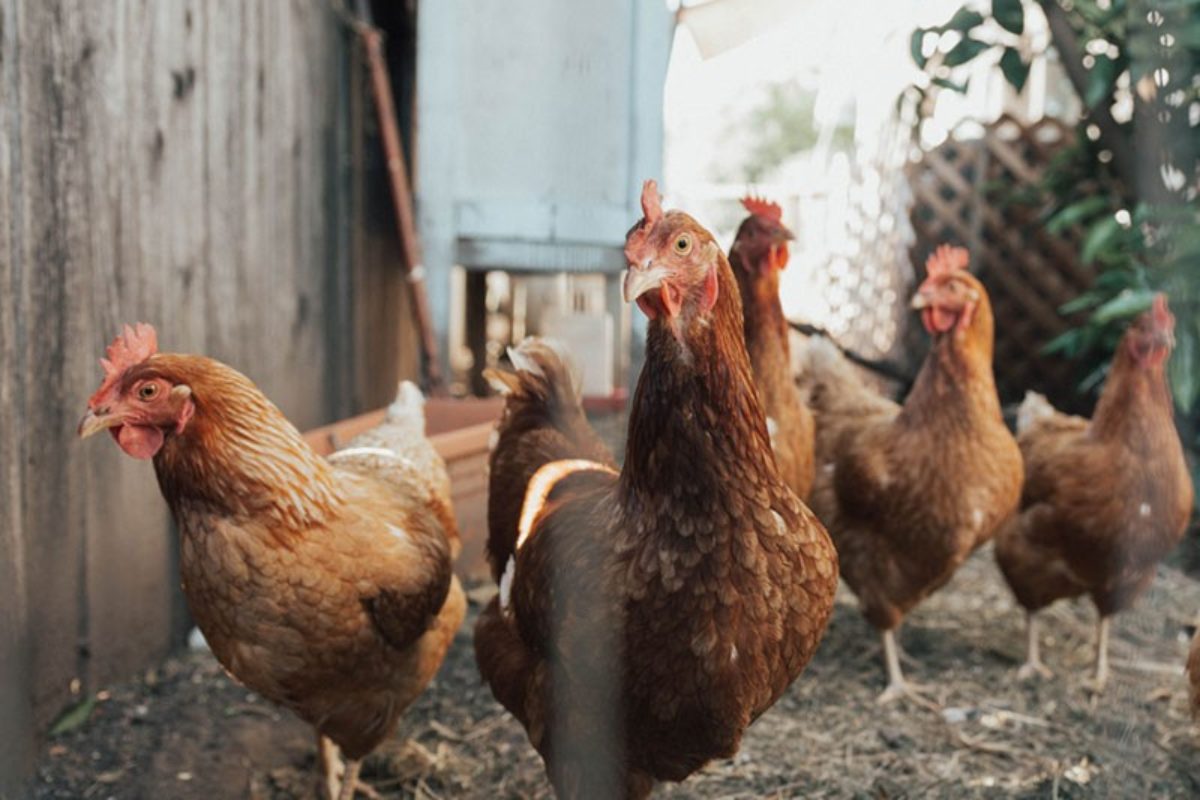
201,166
975,192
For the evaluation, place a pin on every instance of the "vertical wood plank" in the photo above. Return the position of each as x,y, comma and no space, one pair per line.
184,164
128,584
16,685
52,216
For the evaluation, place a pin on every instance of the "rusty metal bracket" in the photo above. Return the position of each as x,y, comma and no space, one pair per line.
381,90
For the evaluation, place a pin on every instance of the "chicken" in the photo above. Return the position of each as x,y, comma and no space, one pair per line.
908,492
646,616
758,254
1104,500
323,585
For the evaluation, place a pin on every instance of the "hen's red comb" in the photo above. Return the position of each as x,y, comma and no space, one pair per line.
131,347
761,207
651,202
1161,314
947,259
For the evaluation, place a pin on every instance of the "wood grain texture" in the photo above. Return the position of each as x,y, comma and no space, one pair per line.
186,164
16,690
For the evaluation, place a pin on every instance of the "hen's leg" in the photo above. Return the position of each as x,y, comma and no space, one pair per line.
351,785
332,768
1100,678
349,780
340,777
898,687
1033,666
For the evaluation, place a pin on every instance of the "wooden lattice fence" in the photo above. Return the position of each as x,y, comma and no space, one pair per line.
975,192
865,277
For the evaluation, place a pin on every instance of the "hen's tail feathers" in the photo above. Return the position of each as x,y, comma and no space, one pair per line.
1033,408
402,430
820,355
543,374
408,407
826,375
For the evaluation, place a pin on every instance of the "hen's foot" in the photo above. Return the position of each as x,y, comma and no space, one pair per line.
897,686
361,789
351,786
1096,684
906,690
1034,670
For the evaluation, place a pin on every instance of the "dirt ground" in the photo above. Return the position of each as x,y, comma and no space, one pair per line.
184,731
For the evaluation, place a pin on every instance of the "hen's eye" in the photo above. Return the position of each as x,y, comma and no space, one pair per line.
683,244
148,391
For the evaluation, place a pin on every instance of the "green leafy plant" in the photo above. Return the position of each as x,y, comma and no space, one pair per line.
1136,209
74,717
1129,183
1155,249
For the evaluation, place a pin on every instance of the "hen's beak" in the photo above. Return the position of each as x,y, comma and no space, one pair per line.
93,422
639,280
782,235
920,301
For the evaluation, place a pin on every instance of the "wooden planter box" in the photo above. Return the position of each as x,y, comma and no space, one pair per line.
459,430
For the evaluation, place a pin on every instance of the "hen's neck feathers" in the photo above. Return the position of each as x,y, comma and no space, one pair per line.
956,381
765,328
696,421
239,456
1135,406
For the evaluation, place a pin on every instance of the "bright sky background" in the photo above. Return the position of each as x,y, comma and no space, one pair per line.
854,54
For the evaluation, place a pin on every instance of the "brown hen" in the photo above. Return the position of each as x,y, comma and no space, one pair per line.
759,253
1104,500
647,616
323,585
908,492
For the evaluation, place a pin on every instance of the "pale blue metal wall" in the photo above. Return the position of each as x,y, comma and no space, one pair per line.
538,120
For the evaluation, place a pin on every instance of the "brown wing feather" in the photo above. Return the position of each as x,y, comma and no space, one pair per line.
403,612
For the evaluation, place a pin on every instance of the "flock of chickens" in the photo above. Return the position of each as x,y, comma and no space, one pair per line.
647,613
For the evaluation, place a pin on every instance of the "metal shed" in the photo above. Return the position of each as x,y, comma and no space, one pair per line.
530,158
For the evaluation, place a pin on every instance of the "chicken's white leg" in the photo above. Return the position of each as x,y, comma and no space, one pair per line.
901,654
1033,666
1100,678
340,777
350,780
332,768
898,687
